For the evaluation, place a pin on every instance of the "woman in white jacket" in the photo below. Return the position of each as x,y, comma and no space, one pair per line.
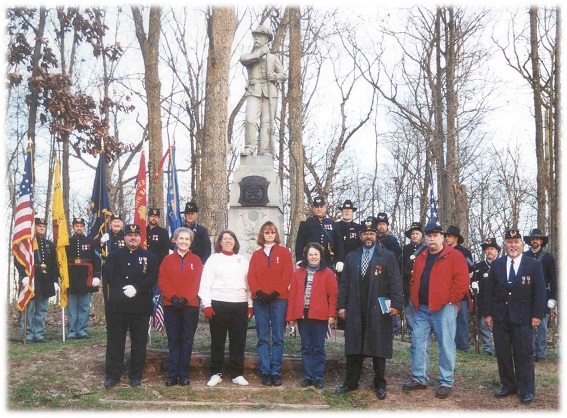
227,303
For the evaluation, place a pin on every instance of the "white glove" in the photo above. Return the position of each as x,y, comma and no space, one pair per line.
56,287
25,281
551,303
474,286
339,266
96,282
130,291
104,238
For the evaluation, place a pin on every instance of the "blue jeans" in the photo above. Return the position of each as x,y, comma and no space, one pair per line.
540,338
462,336
409,313
78,308
485,336
312,333
37,310
270,325
180,326
442,323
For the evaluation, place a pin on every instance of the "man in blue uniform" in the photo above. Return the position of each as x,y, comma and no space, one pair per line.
158,237
201,244
515,304
115,238
454,239
537,241
409,253
46,274
323,230
349,228
478,286
131,272
84,279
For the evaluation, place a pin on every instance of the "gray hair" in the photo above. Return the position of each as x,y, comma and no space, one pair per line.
183,229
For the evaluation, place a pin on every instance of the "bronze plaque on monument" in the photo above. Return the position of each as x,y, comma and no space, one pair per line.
253,191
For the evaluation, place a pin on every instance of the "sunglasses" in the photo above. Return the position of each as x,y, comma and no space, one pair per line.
269,232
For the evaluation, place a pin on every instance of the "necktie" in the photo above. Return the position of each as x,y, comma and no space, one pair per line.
365,262
512,274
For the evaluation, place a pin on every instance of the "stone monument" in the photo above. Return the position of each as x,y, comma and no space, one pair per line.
255,192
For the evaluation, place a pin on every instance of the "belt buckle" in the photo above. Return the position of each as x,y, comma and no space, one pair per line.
77,261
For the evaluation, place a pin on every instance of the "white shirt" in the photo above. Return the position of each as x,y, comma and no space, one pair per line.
224,279
517,262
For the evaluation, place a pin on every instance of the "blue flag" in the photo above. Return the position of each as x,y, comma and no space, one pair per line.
99,206
173,210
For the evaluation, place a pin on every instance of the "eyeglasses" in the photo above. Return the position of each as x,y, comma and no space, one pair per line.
269,232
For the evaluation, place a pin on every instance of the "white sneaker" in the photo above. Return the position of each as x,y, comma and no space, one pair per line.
240,380
214,380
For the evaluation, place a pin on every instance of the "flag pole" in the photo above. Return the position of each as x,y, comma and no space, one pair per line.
25,327
63,323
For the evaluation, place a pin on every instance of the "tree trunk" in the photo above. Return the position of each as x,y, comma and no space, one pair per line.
555,213
150,52
438,136
538,116
212,196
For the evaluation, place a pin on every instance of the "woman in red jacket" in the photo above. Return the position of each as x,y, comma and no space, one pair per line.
312,302
269,276
179,279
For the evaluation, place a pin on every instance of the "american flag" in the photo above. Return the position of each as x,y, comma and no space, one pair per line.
434,214
23,240
156,320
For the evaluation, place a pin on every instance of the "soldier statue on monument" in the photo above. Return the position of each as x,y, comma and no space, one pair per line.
265,70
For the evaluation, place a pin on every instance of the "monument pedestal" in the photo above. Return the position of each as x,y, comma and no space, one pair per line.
255,197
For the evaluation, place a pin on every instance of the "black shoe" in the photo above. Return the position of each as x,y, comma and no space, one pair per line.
30,341
184,381
380,393
171,381
110,383
318,384
42,341
527,398
538,359
83,337
345,389
503,391
442,392
276,380
306,382
266,379
135,382
71,338
413,385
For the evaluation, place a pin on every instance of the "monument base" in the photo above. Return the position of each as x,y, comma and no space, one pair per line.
255,197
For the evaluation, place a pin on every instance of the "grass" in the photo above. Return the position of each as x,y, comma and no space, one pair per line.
59,376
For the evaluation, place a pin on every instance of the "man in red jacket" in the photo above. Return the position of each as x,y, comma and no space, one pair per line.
439,281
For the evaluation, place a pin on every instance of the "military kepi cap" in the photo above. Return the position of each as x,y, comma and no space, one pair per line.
319,201
132,229
432,227
264,31
191,207
512,234
79,221
115,216
154,211
383,217
369,224
40,221
490,242
348,205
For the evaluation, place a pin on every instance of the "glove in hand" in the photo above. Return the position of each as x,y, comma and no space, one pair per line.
339,266
56,287
130,291
209,312
105,237
96,282
551,303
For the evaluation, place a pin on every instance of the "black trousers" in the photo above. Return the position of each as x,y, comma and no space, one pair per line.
118,324
513,345
354,368
231,318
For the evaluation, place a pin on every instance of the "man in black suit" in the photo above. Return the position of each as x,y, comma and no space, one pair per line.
515,301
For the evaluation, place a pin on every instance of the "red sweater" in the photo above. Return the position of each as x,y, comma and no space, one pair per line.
180,276
273,273
448,282
324,295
